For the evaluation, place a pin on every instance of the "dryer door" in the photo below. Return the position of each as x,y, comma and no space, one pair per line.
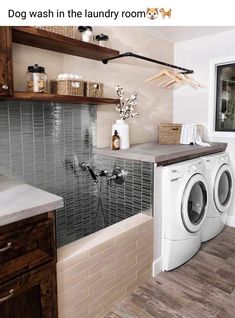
223,188
194,203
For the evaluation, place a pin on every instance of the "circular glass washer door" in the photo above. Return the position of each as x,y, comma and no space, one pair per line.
194,203
223,188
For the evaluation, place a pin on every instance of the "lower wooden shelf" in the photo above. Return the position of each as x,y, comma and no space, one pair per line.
61,98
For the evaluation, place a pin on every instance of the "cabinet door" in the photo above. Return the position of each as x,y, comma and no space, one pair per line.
6,69
25,245
32,295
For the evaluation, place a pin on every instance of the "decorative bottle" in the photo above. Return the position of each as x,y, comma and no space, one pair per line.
123,132
115,141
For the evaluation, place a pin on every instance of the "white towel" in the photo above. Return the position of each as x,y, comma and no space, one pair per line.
189,135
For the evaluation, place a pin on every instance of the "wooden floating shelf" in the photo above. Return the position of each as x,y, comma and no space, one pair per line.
59,43
53,98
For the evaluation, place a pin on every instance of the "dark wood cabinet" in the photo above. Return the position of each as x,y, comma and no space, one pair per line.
28,268
6,69
30,295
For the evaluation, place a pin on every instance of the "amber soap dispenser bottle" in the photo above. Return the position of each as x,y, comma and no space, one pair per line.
115,141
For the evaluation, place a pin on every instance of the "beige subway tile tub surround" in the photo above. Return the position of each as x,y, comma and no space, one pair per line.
97,270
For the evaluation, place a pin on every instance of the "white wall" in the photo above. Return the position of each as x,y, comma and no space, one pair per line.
192,105
154,105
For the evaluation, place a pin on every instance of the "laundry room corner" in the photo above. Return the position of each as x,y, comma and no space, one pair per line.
193,106
117,166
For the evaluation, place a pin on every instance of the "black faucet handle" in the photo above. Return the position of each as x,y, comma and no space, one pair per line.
85,166
93,175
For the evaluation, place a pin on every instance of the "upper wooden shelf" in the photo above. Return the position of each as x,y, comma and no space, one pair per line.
62,98
59,43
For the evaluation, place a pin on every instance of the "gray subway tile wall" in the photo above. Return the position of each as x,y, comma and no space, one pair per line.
39,144
122,201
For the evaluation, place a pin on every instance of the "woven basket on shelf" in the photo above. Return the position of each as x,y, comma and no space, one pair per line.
169,134
94,89
62,30
68,87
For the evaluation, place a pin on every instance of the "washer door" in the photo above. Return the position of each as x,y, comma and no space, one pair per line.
194,203
223,188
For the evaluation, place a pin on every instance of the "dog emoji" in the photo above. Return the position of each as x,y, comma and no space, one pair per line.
165,13
152,13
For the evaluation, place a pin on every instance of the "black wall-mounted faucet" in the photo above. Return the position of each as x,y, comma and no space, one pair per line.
118,175
85,166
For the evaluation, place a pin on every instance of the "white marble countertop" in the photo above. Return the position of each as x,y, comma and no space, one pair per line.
20,201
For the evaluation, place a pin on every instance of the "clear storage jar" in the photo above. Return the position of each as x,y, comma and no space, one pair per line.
36,79
86,33
102,40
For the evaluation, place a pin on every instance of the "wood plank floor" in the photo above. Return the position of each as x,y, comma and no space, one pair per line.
204,287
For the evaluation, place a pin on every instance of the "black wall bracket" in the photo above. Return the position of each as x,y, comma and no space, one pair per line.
141,57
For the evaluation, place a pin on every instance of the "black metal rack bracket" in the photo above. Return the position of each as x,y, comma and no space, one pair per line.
130,54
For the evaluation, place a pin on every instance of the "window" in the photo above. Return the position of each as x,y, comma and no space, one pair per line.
225,97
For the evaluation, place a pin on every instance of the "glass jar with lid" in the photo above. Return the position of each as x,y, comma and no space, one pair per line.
102,40
36,79
86,33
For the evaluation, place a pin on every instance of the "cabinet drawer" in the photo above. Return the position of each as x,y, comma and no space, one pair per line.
30,295
25,245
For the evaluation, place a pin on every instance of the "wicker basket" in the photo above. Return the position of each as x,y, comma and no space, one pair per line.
94,89
68,87
62,30
169,134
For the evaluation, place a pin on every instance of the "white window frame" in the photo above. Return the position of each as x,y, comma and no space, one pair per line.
212,97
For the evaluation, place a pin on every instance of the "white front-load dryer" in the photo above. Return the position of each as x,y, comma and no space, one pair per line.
220,183
184,208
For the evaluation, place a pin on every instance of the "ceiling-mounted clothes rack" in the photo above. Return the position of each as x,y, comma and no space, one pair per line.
141,57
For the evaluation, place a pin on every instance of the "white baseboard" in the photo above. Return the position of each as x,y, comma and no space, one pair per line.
230,221
157,267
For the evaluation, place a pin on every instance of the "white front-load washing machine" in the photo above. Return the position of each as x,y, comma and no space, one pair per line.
184,208
220,184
